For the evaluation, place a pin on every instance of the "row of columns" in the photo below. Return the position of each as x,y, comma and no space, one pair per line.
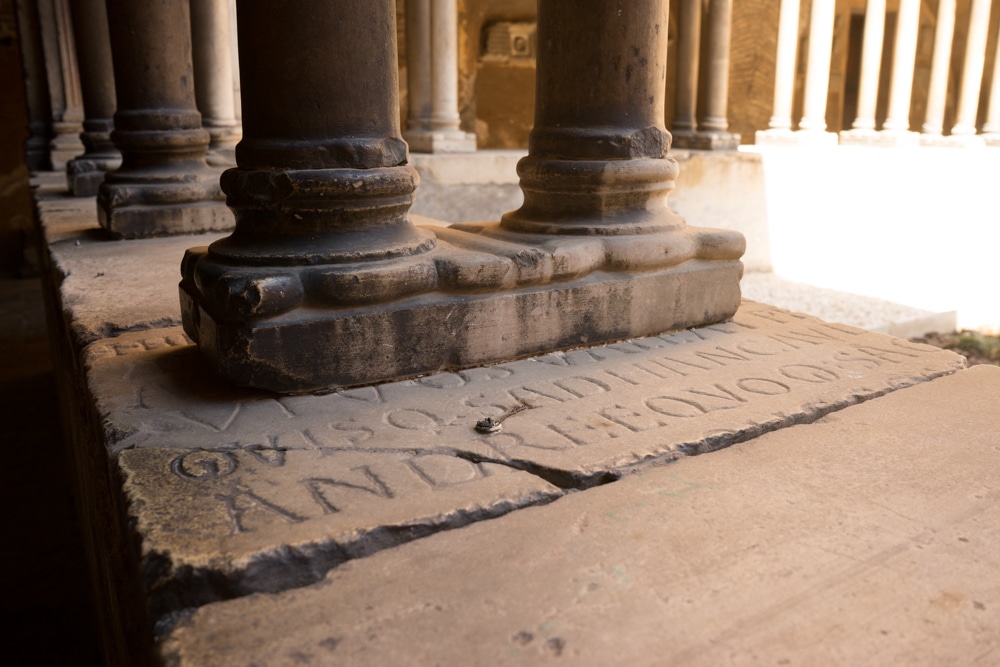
895,129
71,84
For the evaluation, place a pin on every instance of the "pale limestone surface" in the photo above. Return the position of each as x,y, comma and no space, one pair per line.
866,538
279,489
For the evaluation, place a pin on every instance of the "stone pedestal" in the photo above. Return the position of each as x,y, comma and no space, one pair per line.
164,185
213,78
325,281
85,174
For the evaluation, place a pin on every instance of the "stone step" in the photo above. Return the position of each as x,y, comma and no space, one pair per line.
867,537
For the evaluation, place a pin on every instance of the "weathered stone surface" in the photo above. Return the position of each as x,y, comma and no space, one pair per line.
266,519
864,538
590,411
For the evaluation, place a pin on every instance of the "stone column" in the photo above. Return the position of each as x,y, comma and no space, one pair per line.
991,128
688,46
164,185
418,70
211,44
325,281
897,123
36,85
64,81
937,94
863,129
779,128
812,126
713,131
85,174
972,74
443,134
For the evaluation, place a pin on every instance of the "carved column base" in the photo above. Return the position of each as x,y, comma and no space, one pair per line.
430,141
190,203
479,295
706,140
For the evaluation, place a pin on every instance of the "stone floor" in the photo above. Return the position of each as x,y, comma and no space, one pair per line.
44,587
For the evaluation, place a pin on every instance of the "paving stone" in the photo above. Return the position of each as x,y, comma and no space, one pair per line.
218,524
583,413
867,537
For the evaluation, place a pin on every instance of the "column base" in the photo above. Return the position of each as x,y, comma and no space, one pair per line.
65,145
706,141
426,141
221,157
798,138
953,140
991,138
481,296
85,174
137,210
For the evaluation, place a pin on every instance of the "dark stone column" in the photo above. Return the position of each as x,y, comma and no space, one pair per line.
97,80
37,88
164,185
64,81
325,282
597,161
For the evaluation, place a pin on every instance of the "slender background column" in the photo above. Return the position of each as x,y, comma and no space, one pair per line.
418,66
164,185
688,44
903,61
64,81
818,66
991,128
444,134
213,77
972,70
937,95
97,82
37,88
871,62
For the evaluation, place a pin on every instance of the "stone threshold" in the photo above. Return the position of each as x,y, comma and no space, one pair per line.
198,492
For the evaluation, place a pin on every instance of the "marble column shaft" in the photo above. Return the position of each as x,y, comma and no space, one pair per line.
818,65
85,174
871,62
991,128
164,185
213,77
903,62
784,66
972,70
937,94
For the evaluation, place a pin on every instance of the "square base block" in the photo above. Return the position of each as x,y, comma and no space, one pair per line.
84,176
953,140
798,138
128,210
308,349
